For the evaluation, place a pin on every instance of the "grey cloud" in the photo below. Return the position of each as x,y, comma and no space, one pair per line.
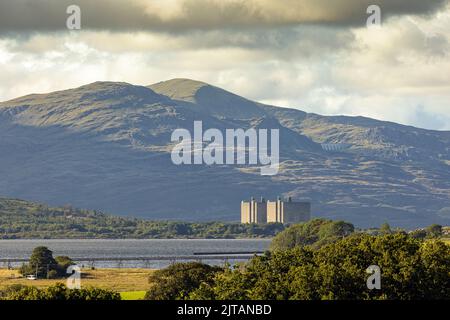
284,42
184,15
280,43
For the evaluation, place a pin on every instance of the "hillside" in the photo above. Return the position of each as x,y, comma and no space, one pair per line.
21,219
107,146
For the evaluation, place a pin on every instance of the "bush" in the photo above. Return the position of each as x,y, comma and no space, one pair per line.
315,233
64,262
177,281
56,292
52,274
434,231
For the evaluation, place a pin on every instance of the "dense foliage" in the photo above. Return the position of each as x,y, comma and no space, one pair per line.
22,219
177,281
56,292
43,265
315,233
410,269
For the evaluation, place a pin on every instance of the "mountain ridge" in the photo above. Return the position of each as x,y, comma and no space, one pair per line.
106,146
264,106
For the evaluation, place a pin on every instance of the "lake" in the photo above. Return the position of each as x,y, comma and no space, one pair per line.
169,250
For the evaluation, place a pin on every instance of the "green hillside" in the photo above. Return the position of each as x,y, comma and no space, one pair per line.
23,219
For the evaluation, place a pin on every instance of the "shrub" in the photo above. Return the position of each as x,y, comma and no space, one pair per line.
57,292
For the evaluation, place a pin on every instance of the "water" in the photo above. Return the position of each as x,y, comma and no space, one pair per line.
19,249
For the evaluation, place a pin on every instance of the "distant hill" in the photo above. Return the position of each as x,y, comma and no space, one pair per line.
21,219
107,146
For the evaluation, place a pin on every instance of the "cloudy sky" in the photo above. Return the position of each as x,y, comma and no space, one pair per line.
314,55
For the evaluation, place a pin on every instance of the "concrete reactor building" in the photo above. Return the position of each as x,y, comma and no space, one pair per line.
275,211
254,211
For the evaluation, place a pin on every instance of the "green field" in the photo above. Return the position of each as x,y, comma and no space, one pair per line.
132,295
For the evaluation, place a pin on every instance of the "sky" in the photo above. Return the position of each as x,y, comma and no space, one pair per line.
314,55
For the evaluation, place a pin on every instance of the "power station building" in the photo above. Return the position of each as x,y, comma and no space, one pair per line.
275,211
254,211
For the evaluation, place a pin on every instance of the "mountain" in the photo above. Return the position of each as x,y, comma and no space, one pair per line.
208,100
106,146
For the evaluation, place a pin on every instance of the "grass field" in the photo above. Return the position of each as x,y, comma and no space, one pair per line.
129,281
132,295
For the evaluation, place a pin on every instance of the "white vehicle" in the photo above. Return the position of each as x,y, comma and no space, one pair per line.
31,277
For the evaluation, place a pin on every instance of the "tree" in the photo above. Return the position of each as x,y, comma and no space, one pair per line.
385,228
419,234
262,278
40,263
178,280
64,262
43,265
435,264
434,231
315,233
411,269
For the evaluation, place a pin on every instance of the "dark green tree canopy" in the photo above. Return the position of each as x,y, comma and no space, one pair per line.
434,231
178,280
41,261
410,269
315,233
43,265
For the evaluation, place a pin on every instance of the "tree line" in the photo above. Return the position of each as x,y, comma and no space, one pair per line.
319,260
22,219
